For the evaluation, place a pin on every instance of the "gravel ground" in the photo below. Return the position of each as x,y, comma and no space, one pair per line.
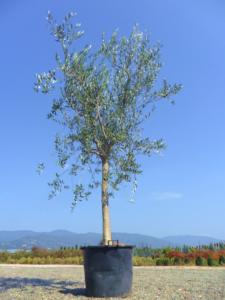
150,283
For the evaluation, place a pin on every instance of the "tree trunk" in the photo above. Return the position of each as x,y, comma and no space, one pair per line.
107,235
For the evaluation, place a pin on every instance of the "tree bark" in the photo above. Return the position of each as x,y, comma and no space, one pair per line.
107,235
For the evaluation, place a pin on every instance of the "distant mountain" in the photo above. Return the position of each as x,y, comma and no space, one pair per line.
54,239
58,238
140,240
190,240
8,236
63,238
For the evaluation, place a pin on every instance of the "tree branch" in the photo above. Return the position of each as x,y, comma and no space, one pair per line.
98,116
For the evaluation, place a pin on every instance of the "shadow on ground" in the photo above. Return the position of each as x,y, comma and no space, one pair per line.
74,292
7,283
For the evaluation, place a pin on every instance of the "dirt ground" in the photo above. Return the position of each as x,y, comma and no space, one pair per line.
59,282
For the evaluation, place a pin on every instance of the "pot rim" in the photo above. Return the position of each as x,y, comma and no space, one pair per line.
108,247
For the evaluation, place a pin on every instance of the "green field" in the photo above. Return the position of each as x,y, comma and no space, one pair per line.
150,283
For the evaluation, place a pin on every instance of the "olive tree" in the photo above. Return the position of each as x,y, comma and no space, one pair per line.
104,95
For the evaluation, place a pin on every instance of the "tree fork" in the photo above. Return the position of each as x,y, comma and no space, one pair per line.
107,235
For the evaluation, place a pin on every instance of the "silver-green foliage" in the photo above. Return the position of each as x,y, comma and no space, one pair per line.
104,97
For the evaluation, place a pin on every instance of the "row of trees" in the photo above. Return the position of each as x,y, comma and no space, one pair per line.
44,256
212,255
154,252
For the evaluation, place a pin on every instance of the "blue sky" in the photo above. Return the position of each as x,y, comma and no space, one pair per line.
181,191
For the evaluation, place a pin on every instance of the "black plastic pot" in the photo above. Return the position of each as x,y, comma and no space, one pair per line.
108,270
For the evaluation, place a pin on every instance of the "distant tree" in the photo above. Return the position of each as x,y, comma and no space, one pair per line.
222,260
104,98
185,249
212,262
199,261
211,246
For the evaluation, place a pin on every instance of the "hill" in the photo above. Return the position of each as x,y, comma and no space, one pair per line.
55,239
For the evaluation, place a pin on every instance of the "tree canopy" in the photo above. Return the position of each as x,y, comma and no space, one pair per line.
105,94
